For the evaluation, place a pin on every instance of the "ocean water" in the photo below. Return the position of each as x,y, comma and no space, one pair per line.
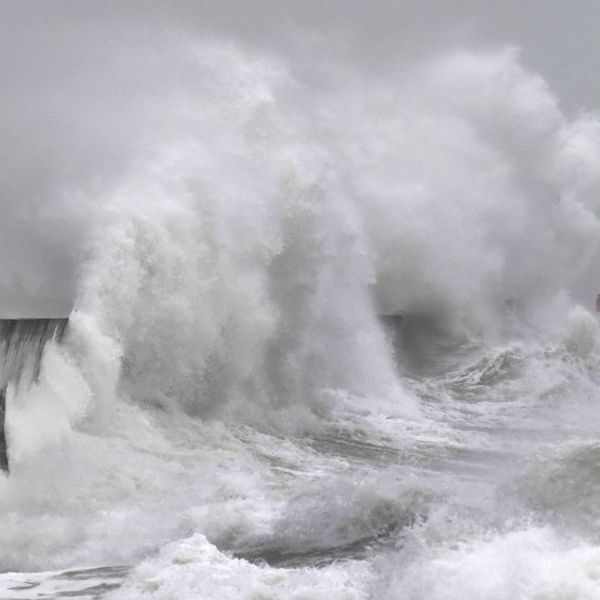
236,410
489,492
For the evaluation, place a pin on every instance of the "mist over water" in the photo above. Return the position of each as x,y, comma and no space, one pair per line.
228,415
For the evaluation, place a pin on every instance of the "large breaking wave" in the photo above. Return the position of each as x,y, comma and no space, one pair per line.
227,401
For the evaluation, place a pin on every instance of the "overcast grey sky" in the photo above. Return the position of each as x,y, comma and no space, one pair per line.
558,37
79,77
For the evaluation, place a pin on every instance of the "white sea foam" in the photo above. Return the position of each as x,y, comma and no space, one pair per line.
530,564
226,412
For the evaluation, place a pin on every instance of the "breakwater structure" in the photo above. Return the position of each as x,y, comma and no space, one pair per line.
22,343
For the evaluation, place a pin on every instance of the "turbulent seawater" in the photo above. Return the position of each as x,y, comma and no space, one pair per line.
490,493
235,410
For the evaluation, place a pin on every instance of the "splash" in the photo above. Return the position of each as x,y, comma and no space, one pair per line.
225,378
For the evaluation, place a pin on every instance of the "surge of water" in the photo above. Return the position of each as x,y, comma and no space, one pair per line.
227,416
22,343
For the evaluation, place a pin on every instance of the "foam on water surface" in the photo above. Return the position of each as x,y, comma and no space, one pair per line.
84,584
226,414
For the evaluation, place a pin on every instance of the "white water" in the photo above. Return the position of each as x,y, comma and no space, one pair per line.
228,418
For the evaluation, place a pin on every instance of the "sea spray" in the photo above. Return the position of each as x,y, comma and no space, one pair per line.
226,382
